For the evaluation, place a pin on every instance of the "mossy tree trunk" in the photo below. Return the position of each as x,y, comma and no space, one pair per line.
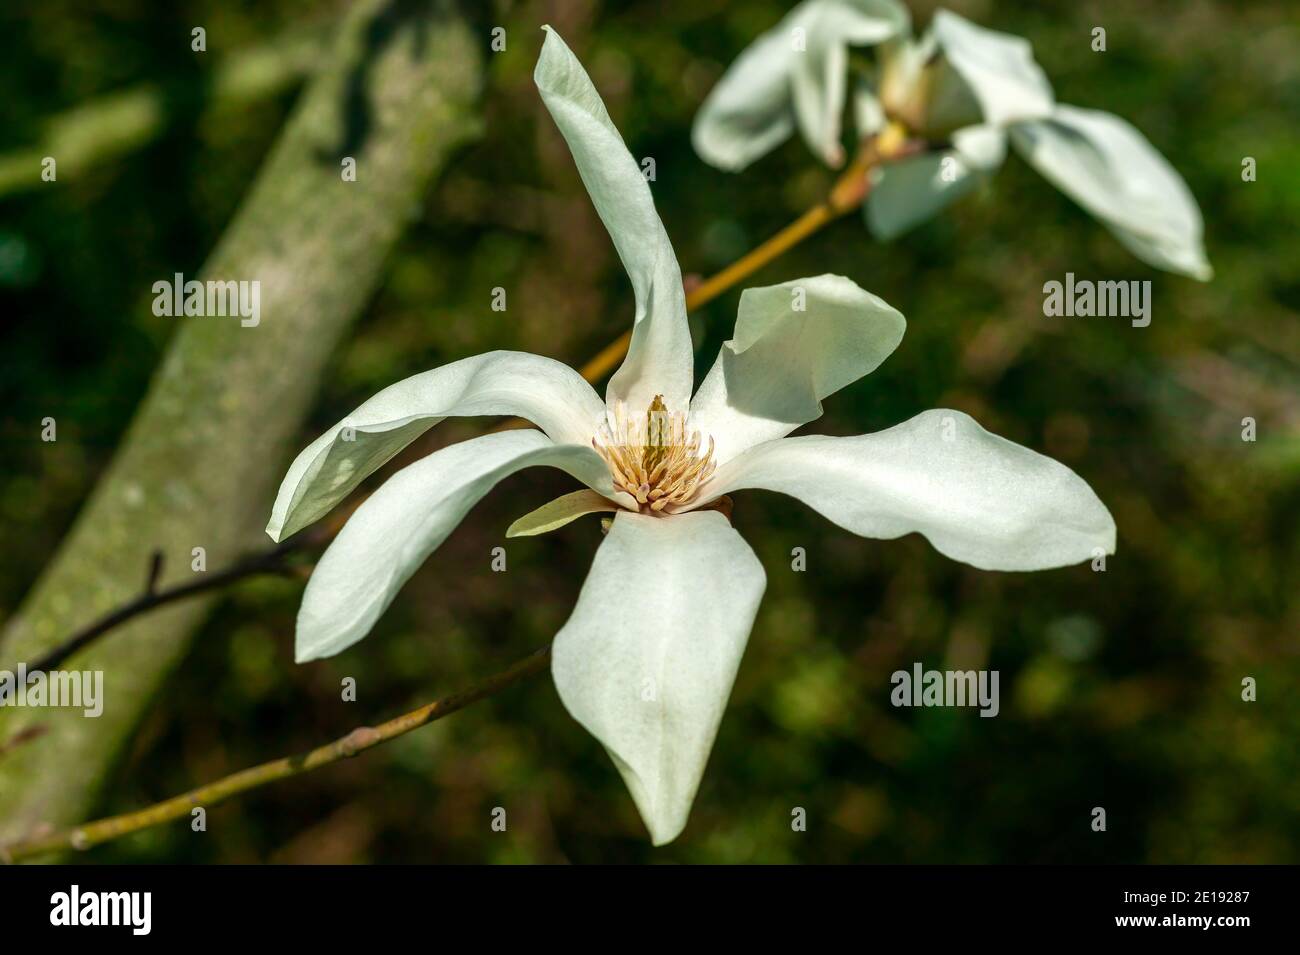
203,456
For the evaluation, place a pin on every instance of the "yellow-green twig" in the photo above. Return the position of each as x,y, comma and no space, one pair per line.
357,741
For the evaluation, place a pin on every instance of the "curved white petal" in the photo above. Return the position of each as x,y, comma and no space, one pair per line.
794,344
647,660
976,497
819,70
998,67
659,358
403,522
551,395
908,192
749,112
1109,168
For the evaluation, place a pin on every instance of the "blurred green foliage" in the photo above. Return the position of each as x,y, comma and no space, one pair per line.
1120,690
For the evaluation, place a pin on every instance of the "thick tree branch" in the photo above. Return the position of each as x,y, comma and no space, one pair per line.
397,92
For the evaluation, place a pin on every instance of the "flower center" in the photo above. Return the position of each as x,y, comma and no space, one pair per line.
652,456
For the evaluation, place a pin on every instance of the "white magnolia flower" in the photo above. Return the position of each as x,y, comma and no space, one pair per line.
646,661
962,89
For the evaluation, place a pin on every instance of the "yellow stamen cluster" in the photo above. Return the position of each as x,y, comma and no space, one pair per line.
652,457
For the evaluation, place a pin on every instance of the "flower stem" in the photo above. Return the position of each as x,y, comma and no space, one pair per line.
360,739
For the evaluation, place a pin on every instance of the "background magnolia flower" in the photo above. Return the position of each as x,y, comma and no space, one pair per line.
793,76
647,660
962,89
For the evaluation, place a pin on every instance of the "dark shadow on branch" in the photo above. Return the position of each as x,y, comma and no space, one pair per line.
356,109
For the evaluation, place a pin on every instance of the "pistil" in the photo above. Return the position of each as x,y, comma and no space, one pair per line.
654,457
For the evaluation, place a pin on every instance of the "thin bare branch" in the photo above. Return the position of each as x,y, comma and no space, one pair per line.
360,739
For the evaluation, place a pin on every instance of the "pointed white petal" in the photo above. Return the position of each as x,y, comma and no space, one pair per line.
976,497
794,344
403,522
817,83
551,395
998,67
908,192
1109,168
819,71
659,360
647,660
868,111
555,514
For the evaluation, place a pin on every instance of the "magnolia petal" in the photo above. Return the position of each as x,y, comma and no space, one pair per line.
402,523
868,111
559,512
908,70
794,344
1109,168
749,112
659,359
998,67
819,71
983,148
647,660
976,497
551,395
908,192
